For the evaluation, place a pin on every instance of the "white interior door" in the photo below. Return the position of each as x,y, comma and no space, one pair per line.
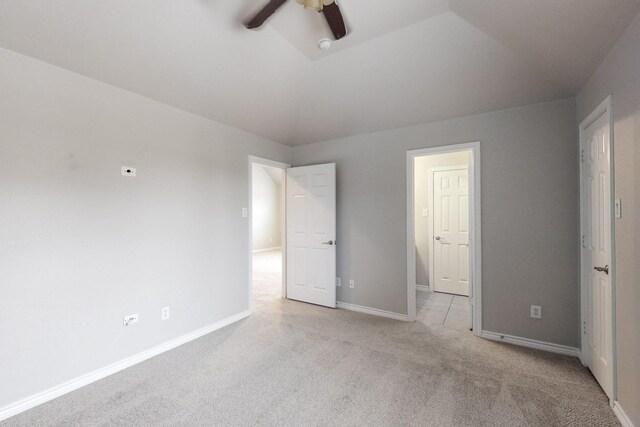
597,250
311,234
451,231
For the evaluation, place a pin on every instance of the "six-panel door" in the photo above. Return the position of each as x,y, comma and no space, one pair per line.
311,234
451,231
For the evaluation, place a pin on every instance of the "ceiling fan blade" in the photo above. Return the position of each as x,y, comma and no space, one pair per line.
336,21
265,13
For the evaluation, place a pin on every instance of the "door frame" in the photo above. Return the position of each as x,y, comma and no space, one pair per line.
475,229
430,181
605,107
283,218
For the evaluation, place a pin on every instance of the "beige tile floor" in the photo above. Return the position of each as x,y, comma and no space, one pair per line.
433,308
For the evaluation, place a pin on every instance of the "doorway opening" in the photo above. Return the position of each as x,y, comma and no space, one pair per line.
443,216
266,231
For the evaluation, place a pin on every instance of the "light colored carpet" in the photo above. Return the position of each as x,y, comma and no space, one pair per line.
298,364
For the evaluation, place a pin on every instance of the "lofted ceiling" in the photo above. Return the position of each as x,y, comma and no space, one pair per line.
403,63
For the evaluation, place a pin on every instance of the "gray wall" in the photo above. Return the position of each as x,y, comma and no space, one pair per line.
266,208
81,246
529,215
620,75
422,188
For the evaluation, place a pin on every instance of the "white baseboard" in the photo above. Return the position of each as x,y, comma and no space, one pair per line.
622,416
76,383
373,311
274,248
423,288
526,342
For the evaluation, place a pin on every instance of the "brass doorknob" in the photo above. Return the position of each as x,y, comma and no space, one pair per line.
604,269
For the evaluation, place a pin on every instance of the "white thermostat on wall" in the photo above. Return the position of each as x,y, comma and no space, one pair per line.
128,171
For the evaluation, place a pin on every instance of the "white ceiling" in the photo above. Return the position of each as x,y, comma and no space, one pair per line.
423,61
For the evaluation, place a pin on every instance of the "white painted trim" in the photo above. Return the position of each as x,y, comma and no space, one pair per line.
83,380
273,248
605,107
529,343
423,288
430,202
622,416
475,235
283,218
372,311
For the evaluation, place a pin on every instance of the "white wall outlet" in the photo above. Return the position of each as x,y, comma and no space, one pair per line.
128,171
352,284
130,319
338,282
536,312
245,212
618,208
425,212
165,313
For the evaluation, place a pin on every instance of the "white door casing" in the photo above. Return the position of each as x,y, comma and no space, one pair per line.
450,267
597,259
475,221
311,234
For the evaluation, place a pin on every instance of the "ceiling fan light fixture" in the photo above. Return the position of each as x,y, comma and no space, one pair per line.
311,4
324,44
317,5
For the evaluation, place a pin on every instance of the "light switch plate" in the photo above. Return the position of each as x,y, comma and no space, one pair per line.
618,208
244,212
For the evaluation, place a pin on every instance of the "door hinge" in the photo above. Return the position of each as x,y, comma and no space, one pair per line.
582,155
584,328
584,238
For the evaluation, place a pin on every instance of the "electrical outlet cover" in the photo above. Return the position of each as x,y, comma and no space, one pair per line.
536,312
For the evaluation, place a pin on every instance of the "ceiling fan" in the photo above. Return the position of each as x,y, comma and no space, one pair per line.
329,8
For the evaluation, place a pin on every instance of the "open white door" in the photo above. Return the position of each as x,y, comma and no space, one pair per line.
311,234
596,251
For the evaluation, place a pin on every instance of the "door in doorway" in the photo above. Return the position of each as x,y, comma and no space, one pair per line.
451,231
595,154
311,234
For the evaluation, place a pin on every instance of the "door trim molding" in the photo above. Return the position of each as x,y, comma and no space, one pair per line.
605,107
283,217
430,203
475,230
